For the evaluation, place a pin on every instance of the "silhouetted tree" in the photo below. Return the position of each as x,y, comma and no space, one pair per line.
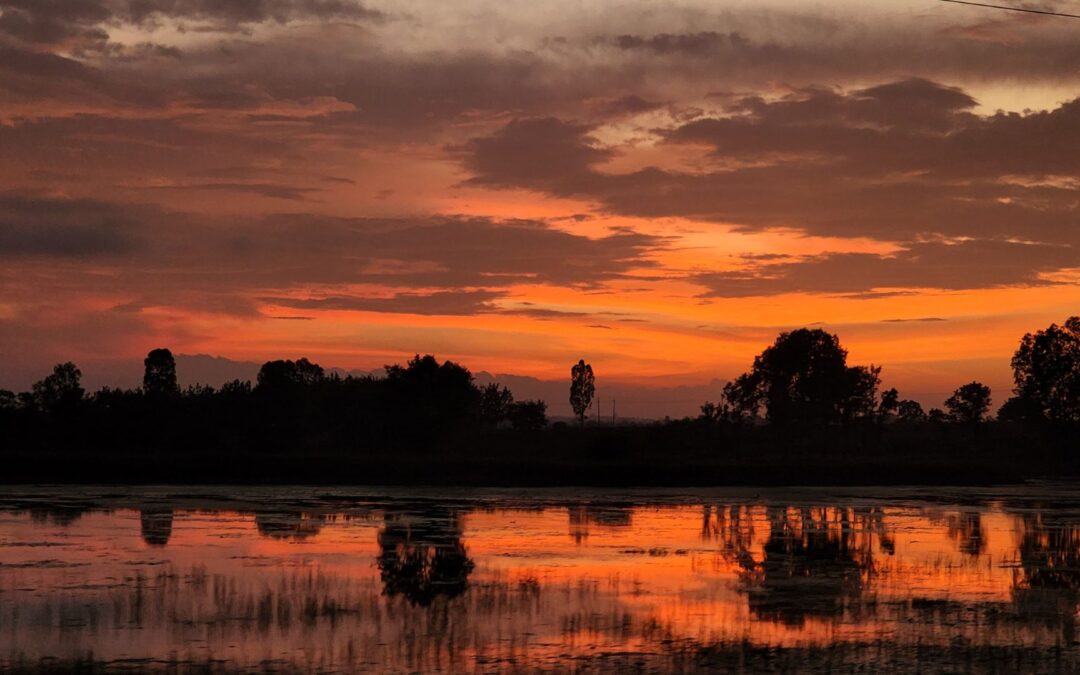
742,398
804,379
861,400
582,388
969,403
288,374
889,404
236,388
430,396
910,411
60,392
1021,409
495,404
528,415
937,416
1046,369
8,401
711,412
159,374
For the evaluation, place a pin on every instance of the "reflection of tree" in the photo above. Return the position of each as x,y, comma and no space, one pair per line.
966,529
421,555
287,524
733,528
582,516
156,526
815,562
1048,587
56,514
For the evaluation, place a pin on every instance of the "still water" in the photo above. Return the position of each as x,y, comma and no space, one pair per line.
392,580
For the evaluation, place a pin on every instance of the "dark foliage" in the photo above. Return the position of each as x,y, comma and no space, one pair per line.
969,404
428,422
159,376
582,388
1046,369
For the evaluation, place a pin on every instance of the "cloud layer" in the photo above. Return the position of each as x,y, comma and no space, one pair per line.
636,183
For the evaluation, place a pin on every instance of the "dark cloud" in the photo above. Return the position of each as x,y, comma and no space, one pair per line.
963,265
44,227
448,303
86,21
703,44
451,265
543,154
906,162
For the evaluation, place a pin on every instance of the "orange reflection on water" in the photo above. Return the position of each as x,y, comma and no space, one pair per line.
429,584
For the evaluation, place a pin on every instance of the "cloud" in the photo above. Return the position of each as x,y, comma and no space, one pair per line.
79,229
444,303
957,266
436,264
543,154
974,201
85,22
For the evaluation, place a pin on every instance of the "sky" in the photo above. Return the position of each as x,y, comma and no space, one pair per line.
659,188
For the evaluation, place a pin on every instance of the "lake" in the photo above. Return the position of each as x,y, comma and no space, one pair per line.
292,579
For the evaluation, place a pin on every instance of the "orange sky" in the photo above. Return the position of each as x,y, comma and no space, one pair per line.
518,185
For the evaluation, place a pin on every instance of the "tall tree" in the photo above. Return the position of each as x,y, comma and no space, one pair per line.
804,378
1046,370
159,373
969,403
61,391
582,388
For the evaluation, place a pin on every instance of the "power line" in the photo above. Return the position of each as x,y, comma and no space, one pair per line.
1014,9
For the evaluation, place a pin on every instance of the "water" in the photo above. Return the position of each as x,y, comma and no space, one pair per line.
357,580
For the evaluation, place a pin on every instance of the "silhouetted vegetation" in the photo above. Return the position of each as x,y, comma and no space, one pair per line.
582,388
801,414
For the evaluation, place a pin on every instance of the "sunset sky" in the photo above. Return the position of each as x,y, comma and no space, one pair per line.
659,188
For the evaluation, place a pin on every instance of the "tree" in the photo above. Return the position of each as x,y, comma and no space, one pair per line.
582,388
860,401
804,379
60,392
431,396
969,403
890,403
1020,409
711,412
282,374
742,398
910,411
529,415
1046,370
937,416
495,404
159,373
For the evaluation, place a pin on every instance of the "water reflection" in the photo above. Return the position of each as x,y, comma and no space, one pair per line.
156,526
421,555
311,582
815,562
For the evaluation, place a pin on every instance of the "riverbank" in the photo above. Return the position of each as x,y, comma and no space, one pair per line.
674,454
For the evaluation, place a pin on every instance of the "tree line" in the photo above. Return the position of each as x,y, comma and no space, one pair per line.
803,380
